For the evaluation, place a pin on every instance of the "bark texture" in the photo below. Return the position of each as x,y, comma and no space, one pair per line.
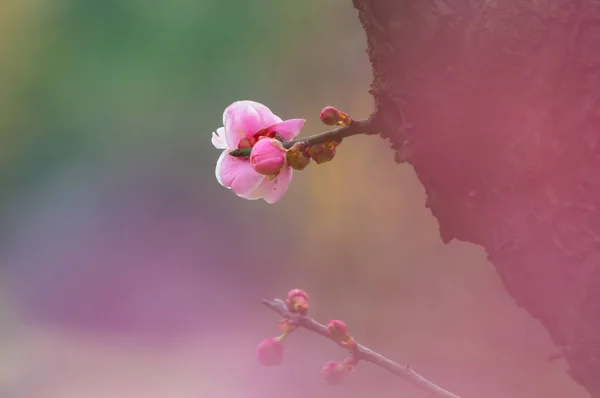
496,106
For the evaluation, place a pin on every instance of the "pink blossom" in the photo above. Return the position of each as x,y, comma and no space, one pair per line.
268,157
244,123
270,352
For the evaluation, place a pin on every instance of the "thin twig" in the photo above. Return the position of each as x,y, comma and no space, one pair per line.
361,352
361,126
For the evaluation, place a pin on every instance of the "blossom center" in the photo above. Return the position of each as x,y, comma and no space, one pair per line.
249,142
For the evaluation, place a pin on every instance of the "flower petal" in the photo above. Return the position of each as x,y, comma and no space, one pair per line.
243,119
271,190
237,174
218,139
220,167
265,113
259,192
246,180
288,128
278,186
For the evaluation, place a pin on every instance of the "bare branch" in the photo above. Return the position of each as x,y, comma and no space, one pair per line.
361,352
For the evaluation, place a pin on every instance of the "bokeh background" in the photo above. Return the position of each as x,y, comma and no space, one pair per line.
126,269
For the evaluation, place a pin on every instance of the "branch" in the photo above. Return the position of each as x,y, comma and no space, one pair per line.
362,126
361,352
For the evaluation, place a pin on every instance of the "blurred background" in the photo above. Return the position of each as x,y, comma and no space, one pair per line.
127,271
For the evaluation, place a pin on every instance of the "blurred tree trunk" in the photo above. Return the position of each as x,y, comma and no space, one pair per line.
496,106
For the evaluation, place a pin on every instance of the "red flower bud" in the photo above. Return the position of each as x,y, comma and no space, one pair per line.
270,352
338,330
297,301
268,157
333,372
330,115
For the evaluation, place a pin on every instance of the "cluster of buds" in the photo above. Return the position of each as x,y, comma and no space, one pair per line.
300,155
270,351
333,372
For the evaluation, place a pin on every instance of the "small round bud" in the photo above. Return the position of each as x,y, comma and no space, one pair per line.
322,153
330,115
333,372
296,157
338,330
268,157
270,352
297,301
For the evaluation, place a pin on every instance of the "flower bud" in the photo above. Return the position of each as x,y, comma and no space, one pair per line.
322,153
330,115
338,330
268,157
297,301
296,157
333,372
270,352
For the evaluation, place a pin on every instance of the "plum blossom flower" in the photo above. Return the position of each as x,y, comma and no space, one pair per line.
244,124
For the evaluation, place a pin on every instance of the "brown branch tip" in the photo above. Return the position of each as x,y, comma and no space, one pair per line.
294,315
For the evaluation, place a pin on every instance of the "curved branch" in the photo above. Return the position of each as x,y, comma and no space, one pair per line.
361,352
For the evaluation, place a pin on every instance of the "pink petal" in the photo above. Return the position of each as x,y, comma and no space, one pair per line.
237,174
265,113
218,139
277,187
258,192
271,190
243,119
246,180
219,167
288,128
